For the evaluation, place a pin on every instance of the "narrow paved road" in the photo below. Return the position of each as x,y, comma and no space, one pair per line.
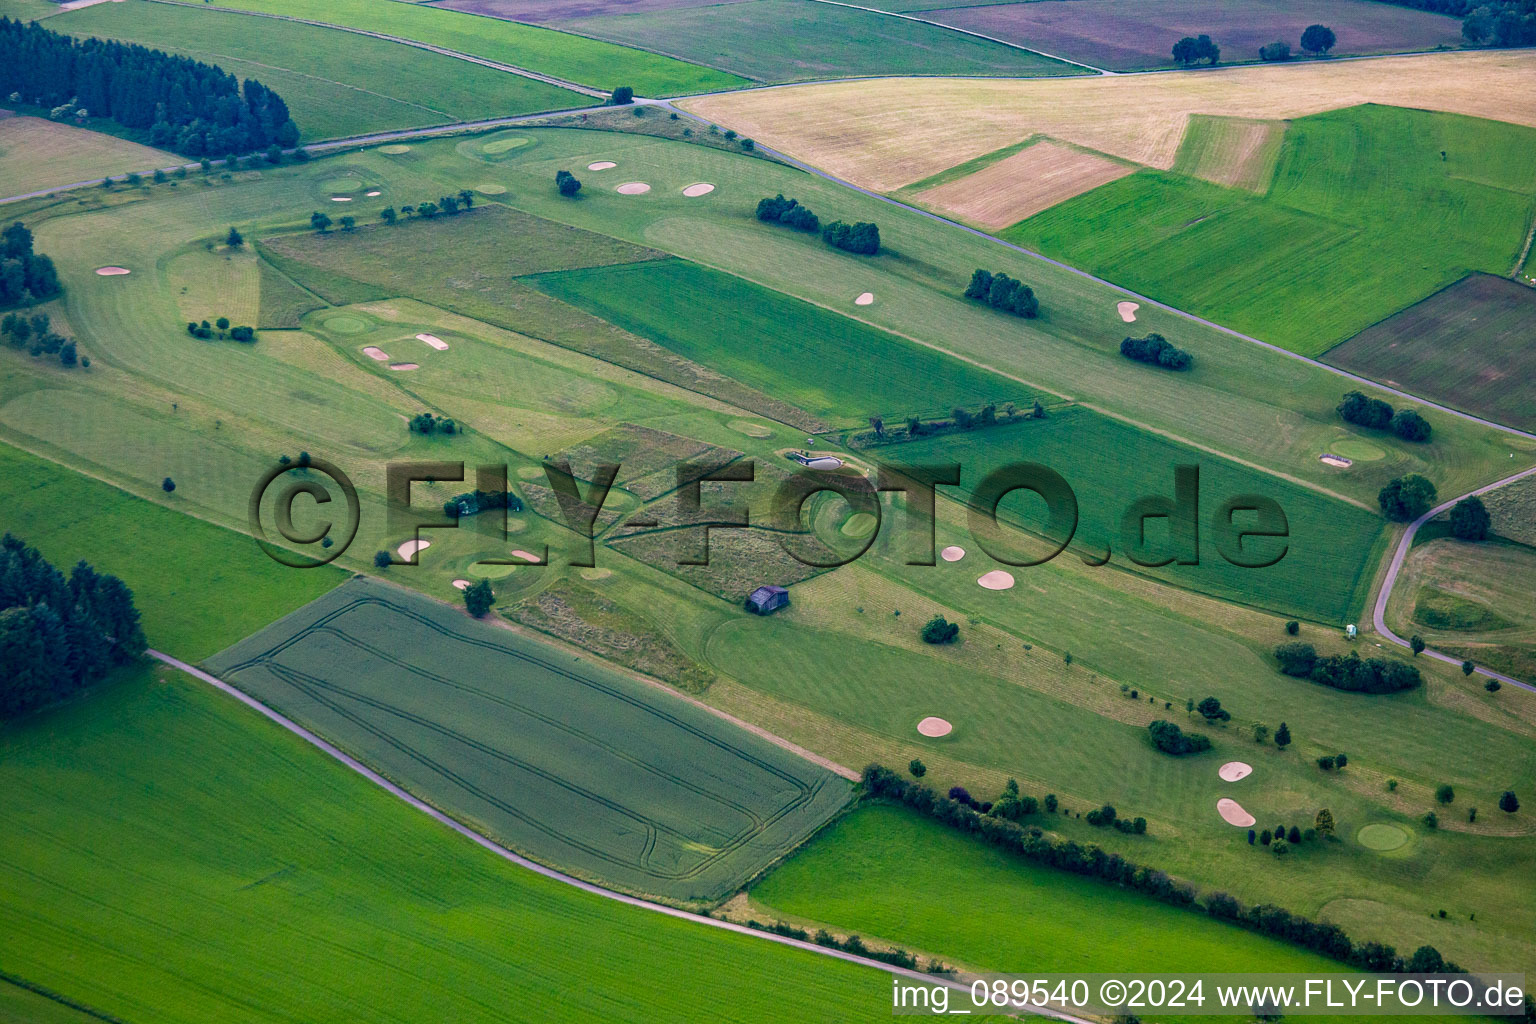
558,876
1403,546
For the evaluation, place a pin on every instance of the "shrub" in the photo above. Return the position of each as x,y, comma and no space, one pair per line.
917,768
566,183
1212,711
1293,627
1509,803
788,212
862,238
1002,292
1470,520
478,598
1275,51
1364,411
1492,686
1349,672
1410,426
1317,39
1170,739
940,630
1326,763
622,95
1445,794
247,334
1155,350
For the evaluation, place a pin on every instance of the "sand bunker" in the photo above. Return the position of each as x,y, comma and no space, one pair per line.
375,353
864,299
700,188
633,188
1128,311
434,341
934,727
996,580
491,189
394,150
375,192
594,574
1233,814
527,556
1335,460
952,553
404,366
461,584
341,199
1234,770
823,462
409,548
601,165
112,271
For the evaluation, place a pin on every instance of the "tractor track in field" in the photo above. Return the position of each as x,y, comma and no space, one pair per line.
558,876
1379,615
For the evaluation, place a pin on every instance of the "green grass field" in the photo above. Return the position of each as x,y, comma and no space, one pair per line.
794,40
887,872
1467,347
572,763
560,54
1471,600
883,871
1323,574
37,154
199,587
521,398
169,856
359,85
1364,217
835,367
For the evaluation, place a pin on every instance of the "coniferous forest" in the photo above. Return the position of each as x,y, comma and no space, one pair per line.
194,108
58,634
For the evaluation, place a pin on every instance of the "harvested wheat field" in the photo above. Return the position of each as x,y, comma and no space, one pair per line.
1237,151
1023,184
893,132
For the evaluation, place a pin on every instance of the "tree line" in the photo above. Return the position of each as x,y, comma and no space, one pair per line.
1346,672
1315,39
56,634
1035,845
960,418
205,330
1156,350
1002,292
26,276
480,501
183,104
862,238
1170,739
1495,22
35,334
461,201
1375,414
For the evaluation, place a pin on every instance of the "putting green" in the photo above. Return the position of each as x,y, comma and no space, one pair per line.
1358,450
490,571
346,324
750,429
503,145
340,185
1381,837
395,150
860,524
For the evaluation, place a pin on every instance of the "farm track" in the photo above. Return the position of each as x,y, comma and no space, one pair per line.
1403,547
550,873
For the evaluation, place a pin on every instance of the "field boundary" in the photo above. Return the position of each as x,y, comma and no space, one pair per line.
904,16
1165,307
507,855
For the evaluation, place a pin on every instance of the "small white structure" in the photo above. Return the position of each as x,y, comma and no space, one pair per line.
1350,631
